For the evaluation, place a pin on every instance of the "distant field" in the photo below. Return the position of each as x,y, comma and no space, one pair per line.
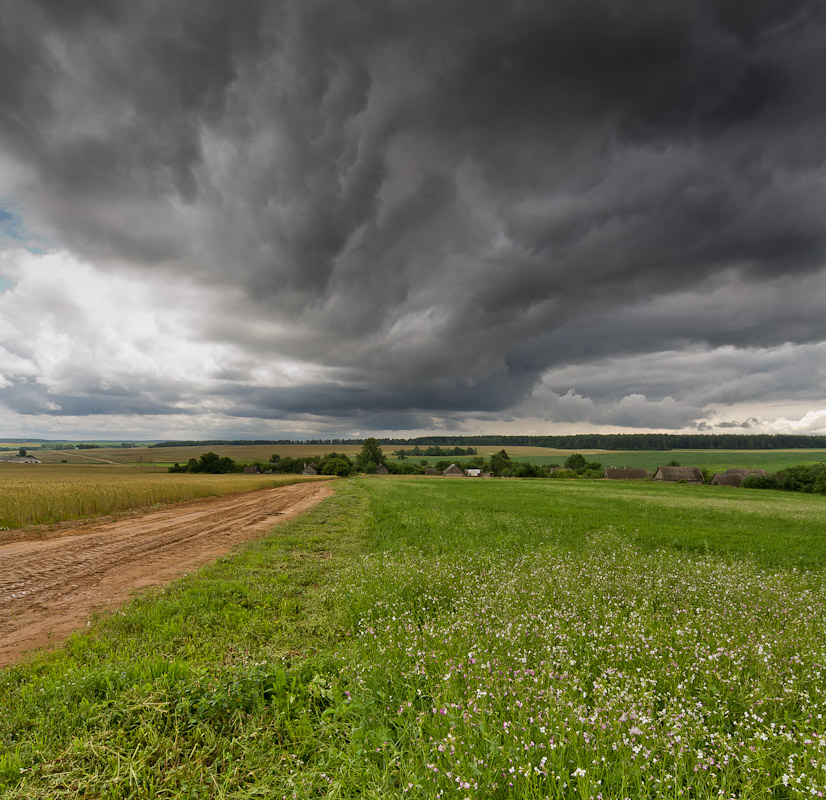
714,460
32,494
143,456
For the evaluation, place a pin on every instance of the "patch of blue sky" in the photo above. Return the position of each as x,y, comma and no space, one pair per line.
13,231
5,283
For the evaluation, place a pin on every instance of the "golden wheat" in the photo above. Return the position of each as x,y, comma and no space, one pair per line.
36,494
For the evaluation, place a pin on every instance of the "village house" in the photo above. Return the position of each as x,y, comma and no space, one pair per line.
626,474
453,472
734,476
381,469
678,474
310,469
252,469
431,471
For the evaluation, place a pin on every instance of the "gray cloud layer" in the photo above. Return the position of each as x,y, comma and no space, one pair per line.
438,202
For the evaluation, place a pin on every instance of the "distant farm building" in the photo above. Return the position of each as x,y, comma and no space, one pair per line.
727,479
252,469
453,472
431,471
678,474
381,469
20,460
625,474
734,476
473,473
310,469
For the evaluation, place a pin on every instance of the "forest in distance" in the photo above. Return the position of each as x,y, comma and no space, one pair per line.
579,441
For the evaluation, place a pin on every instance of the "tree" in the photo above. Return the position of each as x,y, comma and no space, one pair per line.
370,456
335,464
209,462
500,463
22,452
575,462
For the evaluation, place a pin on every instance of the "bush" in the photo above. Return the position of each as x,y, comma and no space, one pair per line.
759,482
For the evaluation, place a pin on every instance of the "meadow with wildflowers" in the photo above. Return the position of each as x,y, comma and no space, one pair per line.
502,638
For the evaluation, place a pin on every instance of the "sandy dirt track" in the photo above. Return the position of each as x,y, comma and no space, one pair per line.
50,586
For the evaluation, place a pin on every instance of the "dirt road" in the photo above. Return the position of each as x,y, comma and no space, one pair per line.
50,586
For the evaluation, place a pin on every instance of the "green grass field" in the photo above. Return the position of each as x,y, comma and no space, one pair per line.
431,638
714,460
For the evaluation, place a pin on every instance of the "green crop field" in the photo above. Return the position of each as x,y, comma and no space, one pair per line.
427,638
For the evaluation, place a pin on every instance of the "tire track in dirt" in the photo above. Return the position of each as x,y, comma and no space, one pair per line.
49,587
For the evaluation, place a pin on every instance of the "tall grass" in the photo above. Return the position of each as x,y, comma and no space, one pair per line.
31,495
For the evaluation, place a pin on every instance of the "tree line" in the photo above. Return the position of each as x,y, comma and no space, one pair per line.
579,441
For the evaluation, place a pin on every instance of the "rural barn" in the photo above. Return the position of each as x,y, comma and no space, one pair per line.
625,474
453,472
473,473
310,469
431,471
252,469
381,469
677,474
734,476
727,479
20,460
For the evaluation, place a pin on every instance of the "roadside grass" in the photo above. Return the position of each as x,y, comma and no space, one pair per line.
430,638
203,689
42,494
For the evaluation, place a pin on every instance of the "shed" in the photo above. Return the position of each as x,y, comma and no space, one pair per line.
310,469
625,474
453,472
677,474
252,469
381,469
474,472
431,471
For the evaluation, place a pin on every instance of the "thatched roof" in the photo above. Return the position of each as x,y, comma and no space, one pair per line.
677,474
727,479
381,469
625,474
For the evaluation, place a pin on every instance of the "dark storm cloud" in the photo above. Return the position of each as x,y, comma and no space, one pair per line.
438,201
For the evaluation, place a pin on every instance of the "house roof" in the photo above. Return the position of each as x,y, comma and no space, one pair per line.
675,474
625,473
727,479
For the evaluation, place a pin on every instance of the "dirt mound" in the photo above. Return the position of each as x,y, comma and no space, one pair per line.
50,585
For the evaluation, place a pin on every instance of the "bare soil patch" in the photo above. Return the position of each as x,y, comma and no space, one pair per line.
49,586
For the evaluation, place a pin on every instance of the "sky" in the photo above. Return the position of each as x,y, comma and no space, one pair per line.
309,218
